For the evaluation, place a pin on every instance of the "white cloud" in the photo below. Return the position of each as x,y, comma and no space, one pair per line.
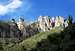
14,4
4,9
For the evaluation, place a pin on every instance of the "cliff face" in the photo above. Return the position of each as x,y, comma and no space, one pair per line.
7,33
4,29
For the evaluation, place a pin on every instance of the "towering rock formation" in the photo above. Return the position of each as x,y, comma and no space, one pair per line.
14,31
21,26
41,23
44,23
66,23
52,22
59,21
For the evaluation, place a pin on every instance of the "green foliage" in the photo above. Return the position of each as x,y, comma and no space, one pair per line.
1,47
64,41
31,42
70,19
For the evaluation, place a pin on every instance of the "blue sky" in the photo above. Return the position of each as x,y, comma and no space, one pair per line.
31,9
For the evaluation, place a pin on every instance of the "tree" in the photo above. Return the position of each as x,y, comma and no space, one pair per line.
70,19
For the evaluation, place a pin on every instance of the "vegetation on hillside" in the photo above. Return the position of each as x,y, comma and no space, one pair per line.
31,42
53,40
64,41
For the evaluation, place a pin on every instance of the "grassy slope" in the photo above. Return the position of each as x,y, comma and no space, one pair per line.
32,41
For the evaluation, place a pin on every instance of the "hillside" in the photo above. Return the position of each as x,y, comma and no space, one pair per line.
53,40
64,41
31,42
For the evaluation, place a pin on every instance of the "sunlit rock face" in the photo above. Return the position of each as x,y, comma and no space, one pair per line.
43,23
59,21
21,25
46,23
52,22
66,23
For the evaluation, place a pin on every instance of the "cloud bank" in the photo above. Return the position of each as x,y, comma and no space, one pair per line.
14,4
